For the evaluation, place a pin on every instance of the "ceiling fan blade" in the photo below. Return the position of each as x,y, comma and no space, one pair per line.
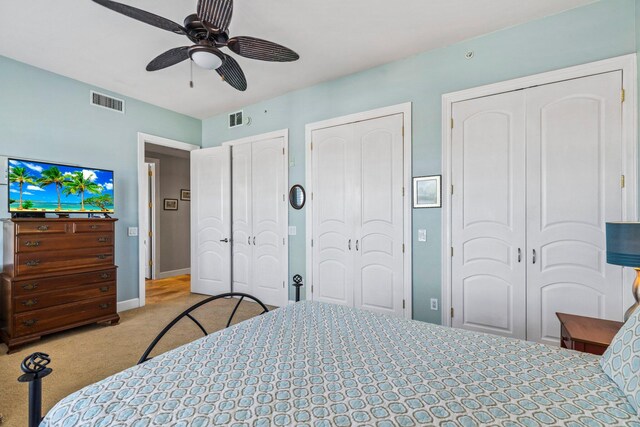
144,16
169,58
231,73
215,14
263,50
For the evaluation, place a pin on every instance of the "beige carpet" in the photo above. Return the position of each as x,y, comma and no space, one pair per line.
89,354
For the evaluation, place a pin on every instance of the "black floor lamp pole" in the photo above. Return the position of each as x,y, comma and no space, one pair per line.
35,369
297,283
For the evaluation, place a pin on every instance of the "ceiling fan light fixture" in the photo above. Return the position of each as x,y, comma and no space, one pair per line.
206,57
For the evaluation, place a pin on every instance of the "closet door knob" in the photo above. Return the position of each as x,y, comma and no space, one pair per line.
225,240
357,244
254,240
249,240
534,256
519,255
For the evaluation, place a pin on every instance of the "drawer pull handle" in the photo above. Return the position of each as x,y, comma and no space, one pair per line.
29,323
104,289
94,227
30,287
105,276
103,239
101,256
30,302
32,244
104,306
33,263
43,228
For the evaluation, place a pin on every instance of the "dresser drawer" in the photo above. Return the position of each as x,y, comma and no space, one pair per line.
63,316
40,262
33,287
64,296
49,227
92,227
31,243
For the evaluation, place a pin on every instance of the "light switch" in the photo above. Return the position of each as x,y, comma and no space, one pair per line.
133,231
422,235
293,230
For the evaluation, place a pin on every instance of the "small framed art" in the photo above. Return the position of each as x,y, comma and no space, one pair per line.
427,192
170,204
185,195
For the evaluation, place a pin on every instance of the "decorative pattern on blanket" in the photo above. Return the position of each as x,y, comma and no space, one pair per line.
324,365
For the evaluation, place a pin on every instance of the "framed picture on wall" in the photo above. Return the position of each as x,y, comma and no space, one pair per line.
427,192
185,195
170,204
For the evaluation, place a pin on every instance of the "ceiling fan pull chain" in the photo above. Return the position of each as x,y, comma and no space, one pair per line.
191,81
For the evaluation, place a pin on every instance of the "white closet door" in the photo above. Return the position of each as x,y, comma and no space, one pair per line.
211,221
574,152
242,220
333,205
269,216
378,173
488,215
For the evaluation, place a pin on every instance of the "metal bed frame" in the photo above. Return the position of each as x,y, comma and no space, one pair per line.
35,366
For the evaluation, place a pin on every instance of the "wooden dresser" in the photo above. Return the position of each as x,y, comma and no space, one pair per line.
58,274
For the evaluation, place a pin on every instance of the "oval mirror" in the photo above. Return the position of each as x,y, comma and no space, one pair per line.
297,197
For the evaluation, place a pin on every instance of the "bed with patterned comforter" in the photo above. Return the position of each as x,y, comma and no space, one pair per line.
324,365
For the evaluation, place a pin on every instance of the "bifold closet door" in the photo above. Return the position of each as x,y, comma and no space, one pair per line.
378,276
357,215
211,221
574,164
269,219
335,201
488,215
242,219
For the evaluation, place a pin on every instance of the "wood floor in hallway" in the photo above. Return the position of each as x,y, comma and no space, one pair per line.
168,289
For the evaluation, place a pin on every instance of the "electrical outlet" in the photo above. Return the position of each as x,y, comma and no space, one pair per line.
422,235
132,231
434,304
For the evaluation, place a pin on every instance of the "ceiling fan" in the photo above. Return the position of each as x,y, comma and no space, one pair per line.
209,30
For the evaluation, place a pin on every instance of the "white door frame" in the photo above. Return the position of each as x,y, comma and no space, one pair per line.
283,133
626,63
406,110
144,138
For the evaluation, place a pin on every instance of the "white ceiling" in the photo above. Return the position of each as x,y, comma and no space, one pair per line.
84,41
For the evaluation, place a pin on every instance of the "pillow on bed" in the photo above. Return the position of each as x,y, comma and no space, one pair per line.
621,361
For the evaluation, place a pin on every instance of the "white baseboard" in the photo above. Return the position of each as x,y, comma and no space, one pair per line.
128,305
172,273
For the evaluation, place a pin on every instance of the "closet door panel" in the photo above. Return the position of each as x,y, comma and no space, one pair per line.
488,215
574,152
269,213
378,267
334,201
242,218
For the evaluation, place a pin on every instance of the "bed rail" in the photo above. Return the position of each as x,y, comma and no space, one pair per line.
187,313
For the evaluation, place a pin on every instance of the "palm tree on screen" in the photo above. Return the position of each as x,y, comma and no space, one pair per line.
101,201
20,175
78,184
53,176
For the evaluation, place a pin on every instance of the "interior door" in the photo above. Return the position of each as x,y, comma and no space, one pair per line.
334,201
242,219
488,215
148,274
574,152
378,217
211,220
269,214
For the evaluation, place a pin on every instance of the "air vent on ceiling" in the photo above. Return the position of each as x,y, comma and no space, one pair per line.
108,102
235,119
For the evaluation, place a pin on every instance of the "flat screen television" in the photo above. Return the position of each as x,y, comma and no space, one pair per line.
37,187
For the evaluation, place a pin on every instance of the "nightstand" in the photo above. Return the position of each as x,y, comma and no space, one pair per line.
586,334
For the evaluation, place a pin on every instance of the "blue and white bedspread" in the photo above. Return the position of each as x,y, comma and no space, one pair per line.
323,365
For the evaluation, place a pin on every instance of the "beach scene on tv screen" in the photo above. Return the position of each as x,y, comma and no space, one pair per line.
44,187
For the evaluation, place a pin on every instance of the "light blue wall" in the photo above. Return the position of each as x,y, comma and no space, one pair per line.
598,31
46,116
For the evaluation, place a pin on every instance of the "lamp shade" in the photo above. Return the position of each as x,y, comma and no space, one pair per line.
623,243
